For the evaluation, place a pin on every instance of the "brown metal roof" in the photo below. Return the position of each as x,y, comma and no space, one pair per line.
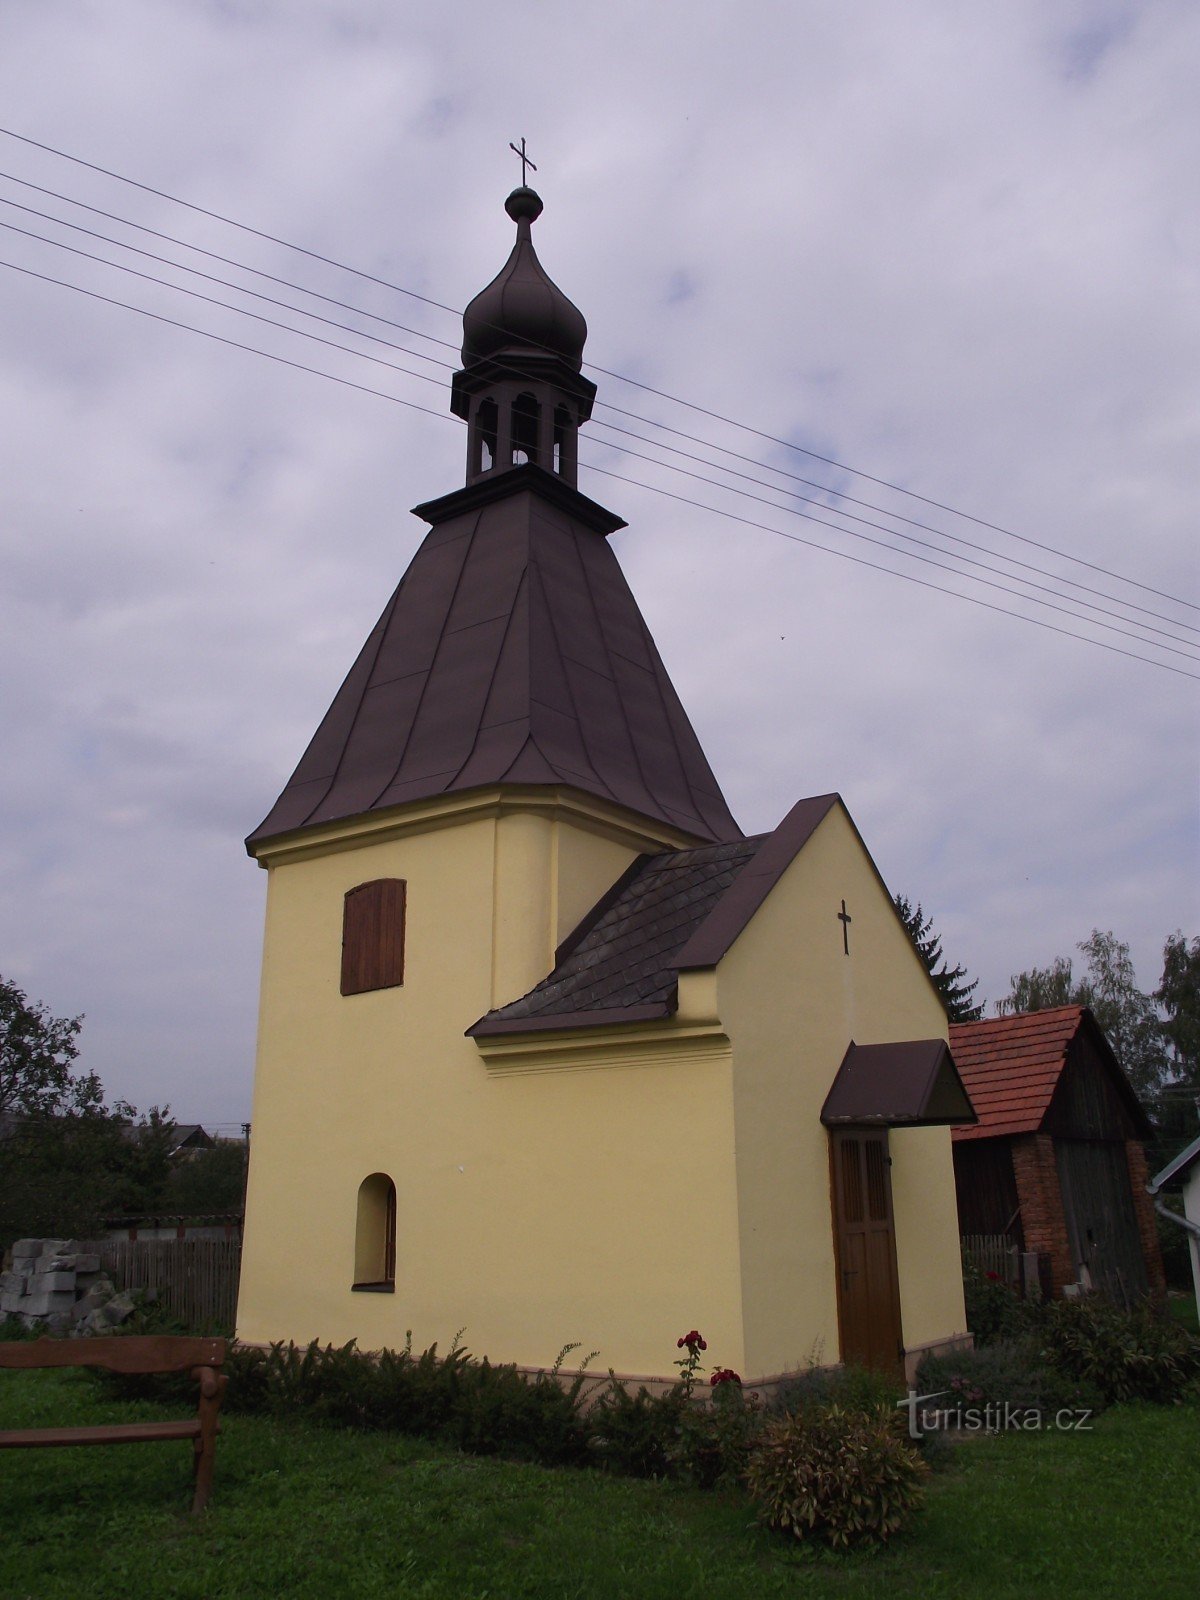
513,652
912,1083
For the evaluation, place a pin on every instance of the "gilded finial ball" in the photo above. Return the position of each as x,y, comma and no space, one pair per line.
524,202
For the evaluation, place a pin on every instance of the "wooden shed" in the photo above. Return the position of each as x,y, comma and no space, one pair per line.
1056,1161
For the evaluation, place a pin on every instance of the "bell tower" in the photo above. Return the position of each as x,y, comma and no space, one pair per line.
520,389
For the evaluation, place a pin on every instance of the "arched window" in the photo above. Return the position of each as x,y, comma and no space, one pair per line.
524,429
373,936
487,423
375,1235
564,442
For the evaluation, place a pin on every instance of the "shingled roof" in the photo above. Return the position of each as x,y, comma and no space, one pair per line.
513,652
1011,1066
621,963
669,913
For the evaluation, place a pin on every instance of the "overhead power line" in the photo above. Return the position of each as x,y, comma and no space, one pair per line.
701,505
893,533
823,489
839,527
608,372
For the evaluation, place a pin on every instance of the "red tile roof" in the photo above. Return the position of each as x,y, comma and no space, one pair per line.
1011,1067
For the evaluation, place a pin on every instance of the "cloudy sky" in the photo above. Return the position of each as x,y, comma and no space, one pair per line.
954,248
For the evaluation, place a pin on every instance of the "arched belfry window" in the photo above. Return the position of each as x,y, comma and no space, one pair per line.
373,936
524,429
375,1235
565,461
487,424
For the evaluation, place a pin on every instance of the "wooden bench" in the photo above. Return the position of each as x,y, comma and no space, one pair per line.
131,1354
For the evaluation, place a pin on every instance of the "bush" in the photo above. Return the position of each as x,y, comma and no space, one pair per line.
842,1478
1127,1355
638,1434
1015,1373
995,1311
857,1389
481,1408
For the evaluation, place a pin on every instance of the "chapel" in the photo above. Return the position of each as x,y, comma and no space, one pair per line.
549,1050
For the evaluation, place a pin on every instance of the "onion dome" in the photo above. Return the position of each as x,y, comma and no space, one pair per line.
521,309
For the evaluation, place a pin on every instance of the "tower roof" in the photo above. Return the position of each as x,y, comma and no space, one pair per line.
522,309
513,652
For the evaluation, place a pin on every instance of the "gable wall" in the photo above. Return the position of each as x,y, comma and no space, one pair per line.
534,1207
792,1001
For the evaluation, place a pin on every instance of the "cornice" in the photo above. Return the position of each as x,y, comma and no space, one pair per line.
470,805
525,479
652,1044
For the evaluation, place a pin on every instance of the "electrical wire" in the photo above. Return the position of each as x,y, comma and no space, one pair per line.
241,266
633,482
670,466
394,366
235,344
909,577
608,372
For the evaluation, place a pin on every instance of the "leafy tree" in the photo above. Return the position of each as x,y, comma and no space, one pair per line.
36,1052
65,1175
1043,988
208,1183
1128,1017
68,1160
1179,996
957,994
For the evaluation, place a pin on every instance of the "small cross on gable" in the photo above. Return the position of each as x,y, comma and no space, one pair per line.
845,919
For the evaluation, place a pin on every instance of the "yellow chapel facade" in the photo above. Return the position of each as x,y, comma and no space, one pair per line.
549,1050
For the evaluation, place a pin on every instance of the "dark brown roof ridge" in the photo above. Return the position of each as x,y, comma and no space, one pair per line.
716,935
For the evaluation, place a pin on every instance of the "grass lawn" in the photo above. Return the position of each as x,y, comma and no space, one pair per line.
303,1512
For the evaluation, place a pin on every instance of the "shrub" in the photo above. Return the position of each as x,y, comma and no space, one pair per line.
1014,1373
995,1311
638,1434
1127,1355
857,1389
842,1478
485,1409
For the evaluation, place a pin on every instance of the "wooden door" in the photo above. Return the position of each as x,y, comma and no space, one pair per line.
868,1285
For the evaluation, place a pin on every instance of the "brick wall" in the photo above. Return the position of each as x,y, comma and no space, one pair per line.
1147,1223
1040,1196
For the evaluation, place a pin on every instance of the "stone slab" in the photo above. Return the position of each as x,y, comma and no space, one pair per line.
52,1283
68,1263
46,1302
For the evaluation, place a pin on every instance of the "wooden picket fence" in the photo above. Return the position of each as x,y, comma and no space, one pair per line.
196,1279
993,1252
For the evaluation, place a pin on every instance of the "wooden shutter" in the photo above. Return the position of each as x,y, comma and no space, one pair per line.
373,936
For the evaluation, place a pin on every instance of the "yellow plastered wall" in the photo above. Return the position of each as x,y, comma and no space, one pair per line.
533,1208
791,1001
